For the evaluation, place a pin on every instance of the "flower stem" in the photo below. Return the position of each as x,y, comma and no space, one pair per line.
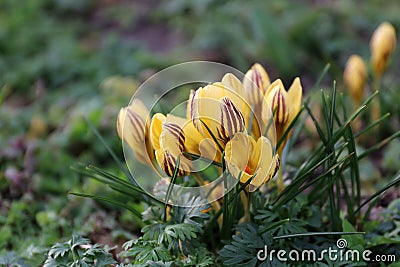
279,183
375,112
246,200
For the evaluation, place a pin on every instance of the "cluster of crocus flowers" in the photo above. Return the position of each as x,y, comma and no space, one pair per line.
229,121
284,104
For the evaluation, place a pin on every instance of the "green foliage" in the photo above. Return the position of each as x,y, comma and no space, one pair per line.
173,241
248,242
11,259
78,252
292,36
54,56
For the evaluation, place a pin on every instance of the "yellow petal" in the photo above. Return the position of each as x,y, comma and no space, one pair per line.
268,175
172,139
245,157
255,83
167,163
277,98
189,105
195,142
156,128
238,150
218,112
231,120
171,144
295,94
233,83
263,157
209,150
237,155
236,93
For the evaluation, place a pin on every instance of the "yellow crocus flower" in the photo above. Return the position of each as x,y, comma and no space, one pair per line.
133,129
355,76
246,157
285,104
221,107
256,83
168,141
382,45
171,136
256,79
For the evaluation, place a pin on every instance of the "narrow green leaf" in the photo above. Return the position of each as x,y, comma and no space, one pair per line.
171,186
317,234
213,136
379,192
108,200
379,145
317,126
110,151
202,158
219,212
372,125
333,105
321,76
291,125
273,225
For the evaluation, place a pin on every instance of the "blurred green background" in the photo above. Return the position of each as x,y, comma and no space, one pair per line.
61,60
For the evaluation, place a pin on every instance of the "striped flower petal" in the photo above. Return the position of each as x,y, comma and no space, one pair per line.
219,108
286,105
133,129
255,83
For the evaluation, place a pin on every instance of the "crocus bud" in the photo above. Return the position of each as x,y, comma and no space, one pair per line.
355,76
255,83
285,104
382,44
133,129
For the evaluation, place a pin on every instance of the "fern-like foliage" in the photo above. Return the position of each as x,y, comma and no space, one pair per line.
11,259
169,243
244,246
146,250
190,210
78,252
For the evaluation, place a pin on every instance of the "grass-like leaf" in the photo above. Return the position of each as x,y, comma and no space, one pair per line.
110,151
213,136
111,201
317,234
171,186
379,192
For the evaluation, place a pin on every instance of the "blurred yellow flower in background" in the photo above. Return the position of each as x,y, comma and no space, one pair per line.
355,77
382,45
